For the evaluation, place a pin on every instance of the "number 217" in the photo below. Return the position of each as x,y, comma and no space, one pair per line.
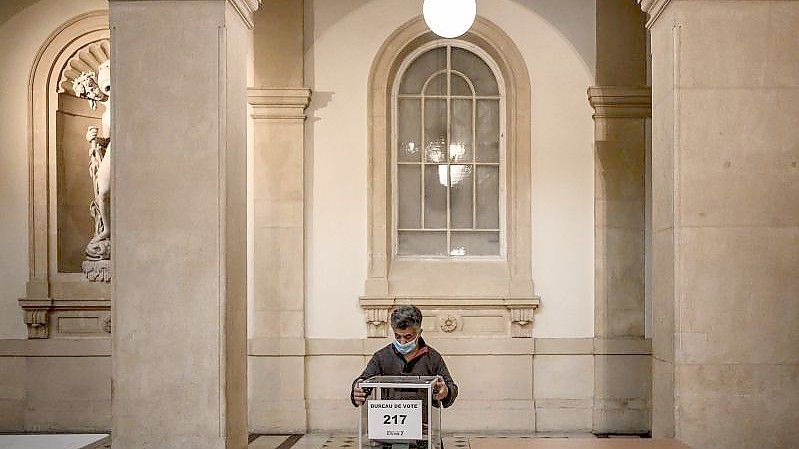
394,419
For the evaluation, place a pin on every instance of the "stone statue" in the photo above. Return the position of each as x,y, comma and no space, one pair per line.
97,89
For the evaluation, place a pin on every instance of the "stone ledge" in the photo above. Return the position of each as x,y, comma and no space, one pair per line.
55,347
620,102
520,311
623,346
563,346
451,346
278,103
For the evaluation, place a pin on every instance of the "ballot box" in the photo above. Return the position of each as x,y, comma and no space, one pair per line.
399,413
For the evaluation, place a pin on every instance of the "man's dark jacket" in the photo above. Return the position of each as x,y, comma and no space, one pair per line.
427,362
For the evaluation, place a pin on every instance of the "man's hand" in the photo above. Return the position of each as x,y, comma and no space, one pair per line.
442,391
358,394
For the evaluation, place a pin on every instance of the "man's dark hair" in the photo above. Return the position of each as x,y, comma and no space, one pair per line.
403,317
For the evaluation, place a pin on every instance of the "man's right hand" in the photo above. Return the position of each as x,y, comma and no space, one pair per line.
358,394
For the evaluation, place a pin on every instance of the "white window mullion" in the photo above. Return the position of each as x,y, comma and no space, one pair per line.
474,163
421,165
446,150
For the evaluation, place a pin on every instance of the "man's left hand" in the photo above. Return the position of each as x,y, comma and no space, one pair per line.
441,387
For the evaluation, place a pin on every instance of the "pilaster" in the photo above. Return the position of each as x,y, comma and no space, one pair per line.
278,116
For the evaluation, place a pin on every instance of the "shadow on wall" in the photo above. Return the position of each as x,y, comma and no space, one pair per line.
319,100
564,16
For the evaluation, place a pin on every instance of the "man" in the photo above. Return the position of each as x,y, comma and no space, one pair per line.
408,355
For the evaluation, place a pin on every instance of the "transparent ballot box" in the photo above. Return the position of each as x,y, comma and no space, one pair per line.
399,414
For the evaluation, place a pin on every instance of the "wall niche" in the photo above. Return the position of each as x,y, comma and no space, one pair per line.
60,300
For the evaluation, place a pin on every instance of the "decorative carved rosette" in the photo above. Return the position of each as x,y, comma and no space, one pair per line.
448,323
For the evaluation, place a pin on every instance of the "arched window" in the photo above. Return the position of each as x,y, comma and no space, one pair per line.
449,199
448,153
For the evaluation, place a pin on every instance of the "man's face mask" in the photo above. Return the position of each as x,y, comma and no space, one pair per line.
409,345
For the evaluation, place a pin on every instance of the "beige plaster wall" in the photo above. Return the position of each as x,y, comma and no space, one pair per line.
21,36
557,42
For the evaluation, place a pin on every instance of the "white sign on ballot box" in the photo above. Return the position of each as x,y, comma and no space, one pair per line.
395,420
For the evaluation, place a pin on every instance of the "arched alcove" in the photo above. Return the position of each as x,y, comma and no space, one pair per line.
59,300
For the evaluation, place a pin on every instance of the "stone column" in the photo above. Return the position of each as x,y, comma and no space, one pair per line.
622,106
725,163
179,288
278,101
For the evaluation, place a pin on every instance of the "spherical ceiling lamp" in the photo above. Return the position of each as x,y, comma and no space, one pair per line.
449,18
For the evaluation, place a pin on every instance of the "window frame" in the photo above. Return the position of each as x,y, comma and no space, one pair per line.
469,289
502,162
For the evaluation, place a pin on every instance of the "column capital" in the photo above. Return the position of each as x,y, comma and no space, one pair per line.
278,103
653,8
620,102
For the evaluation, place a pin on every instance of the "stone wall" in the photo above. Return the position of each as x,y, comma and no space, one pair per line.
726,222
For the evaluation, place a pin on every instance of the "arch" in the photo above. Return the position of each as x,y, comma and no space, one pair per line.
71,40
498,283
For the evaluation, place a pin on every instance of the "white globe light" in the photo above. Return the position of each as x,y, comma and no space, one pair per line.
449,18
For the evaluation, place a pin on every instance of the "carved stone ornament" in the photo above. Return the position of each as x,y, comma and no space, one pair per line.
448,323
377,322
87,60
107,324
36,320
521,320
519,310
97,270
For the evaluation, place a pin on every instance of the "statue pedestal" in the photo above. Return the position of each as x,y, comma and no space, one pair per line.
97,270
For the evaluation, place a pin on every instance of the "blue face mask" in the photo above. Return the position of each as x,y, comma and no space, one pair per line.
407,347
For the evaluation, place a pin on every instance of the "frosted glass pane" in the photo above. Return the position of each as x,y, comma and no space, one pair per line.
425,65
459,86
435,130
410,130
460,147
461,196
487,197
435,196
437,85
409,184
487,130
422,243
465,243
476,70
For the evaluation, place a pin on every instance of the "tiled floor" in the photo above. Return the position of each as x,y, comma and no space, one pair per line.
322,441
53,441
541,441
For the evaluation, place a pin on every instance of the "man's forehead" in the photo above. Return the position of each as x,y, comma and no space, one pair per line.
407,330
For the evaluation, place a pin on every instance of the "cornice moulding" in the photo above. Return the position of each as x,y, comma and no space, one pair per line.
620,102
477,302
246,8
279,97
653,8
278,104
